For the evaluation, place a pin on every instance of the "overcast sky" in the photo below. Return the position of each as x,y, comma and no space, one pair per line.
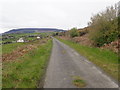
61,14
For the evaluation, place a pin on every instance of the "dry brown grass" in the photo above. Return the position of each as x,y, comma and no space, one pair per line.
20,51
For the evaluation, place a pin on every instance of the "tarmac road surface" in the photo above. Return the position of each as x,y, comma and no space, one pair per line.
65,63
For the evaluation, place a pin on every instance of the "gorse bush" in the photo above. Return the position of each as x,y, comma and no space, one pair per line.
104,27
119,27
83,32
74,32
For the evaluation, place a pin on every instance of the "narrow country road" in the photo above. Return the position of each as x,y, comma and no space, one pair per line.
65,63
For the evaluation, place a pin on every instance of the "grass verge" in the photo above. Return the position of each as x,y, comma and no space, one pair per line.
26,71
105,59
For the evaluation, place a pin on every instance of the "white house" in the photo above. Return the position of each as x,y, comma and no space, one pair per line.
20,40
38,37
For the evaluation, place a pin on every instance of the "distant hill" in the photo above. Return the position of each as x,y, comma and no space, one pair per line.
33,30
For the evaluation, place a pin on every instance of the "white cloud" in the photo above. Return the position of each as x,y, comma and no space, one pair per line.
62,14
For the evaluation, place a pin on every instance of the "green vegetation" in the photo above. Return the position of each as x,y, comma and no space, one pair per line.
104,27
26,36
79,82
26,71
74,32
105,59
0,50
83,32
10,47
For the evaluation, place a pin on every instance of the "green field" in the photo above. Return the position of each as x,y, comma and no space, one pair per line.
26,36
28,70
10,47
105,59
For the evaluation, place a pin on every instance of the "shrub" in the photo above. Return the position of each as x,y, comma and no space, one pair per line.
119,27
74,32
104,27
81,33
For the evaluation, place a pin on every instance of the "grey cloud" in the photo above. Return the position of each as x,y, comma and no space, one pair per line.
62,14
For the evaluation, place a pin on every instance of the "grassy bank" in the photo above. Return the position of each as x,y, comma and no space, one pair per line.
26,71
105,59
7,48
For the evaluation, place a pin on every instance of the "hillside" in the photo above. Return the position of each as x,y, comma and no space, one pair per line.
33,30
